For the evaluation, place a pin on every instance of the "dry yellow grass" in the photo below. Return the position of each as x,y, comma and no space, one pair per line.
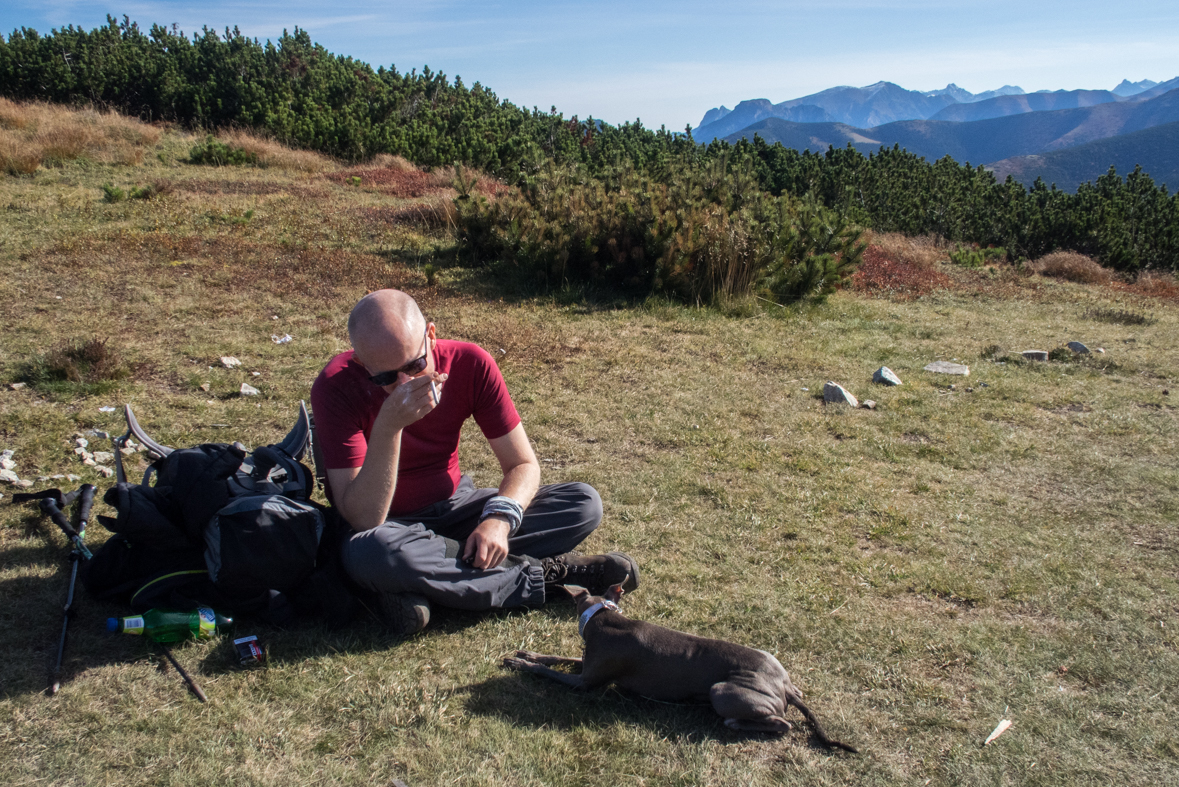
35,134
275,154
1071,266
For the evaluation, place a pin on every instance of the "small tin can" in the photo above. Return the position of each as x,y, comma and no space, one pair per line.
249,651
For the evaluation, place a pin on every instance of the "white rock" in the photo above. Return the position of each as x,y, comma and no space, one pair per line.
1100,350
7,464
80,451
1078,348
17,386
868,404
205,387
228,361
89,461
107,409
885,376
835,393
9,476
104,471
81,442
255,374
248,390
945,367
1035,355
72,477
23,483
286,338
6,453
103,457
127,451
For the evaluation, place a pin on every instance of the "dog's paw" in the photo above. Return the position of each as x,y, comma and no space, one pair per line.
514,663
528,655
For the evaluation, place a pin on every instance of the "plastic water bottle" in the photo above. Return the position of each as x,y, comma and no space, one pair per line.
165,625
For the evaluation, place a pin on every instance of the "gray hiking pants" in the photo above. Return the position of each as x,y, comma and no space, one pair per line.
422,552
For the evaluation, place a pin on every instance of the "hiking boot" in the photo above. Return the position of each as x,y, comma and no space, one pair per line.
403,613
595,573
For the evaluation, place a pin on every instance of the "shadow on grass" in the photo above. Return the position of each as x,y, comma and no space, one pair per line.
532,701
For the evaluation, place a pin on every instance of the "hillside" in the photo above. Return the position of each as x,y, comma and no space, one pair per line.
1155,149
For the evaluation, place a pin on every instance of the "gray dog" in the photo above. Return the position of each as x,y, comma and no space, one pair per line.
747,687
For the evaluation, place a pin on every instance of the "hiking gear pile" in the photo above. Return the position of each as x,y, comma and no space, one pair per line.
226,528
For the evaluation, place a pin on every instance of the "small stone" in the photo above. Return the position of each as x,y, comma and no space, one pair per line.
6,453
868,404
103,457
72,477
1099,350
9,476
7,464
984,385
248,390
17,386
81,442
205,387
969,390
22,483
834,393
885,376
107,409
104,471
98,434
945,367
229,362
1035,355
89,461
80,451
1078,348
125,451
256,374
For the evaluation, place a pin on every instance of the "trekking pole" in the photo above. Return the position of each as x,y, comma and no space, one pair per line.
51,507
86,500
192,684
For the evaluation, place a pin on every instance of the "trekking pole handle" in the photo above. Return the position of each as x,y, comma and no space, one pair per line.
84,505
49,507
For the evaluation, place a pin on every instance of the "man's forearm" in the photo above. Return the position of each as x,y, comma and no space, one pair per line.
520,483
365,502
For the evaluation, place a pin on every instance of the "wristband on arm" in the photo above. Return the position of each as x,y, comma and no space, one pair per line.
505,508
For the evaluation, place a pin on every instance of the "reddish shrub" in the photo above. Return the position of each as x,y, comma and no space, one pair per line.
883,273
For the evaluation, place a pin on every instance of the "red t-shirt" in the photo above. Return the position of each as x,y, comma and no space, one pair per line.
346,404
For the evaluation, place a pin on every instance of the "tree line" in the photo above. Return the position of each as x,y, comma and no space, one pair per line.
305,96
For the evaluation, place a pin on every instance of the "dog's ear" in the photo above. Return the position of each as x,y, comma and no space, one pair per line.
577,591
614,592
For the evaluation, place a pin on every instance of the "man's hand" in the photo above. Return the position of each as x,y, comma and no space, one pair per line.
487,546
411,399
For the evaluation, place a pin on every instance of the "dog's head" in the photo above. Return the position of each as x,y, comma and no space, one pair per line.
583,599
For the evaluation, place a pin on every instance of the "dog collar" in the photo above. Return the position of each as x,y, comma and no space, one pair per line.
589,613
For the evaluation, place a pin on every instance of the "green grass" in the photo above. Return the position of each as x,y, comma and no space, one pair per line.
923,570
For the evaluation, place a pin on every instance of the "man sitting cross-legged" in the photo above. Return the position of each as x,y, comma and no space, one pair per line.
388,416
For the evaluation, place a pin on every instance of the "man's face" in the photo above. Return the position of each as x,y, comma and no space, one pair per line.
392,364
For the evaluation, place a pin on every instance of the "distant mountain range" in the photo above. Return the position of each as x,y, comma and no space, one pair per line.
1009,130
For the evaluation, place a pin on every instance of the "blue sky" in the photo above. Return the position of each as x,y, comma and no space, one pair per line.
668,63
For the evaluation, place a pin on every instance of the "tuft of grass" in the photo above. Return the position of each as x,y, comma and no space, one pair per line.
85,366
1071,266
34,134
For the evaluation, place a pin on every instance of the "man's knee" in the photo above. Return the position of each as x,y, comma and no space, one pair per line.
389,552
589,506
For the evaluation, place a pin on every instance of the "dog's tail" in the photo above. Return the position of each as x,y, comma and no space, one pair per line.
795,699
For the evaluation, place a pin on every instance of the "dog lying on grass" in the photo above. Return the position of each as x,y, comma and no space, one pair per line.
747,687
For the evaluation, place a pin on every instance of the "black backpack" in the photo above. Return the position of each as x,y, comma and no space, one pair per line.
224,527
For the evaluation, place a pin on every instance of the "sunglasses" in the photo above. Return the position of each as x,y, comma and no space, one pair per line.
416,366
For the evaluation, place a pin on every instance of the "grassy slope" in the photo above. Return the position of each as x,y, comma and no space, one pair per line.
924,570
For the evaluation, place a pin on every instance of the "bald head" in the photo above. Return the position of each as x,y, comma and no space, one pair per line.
385,325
